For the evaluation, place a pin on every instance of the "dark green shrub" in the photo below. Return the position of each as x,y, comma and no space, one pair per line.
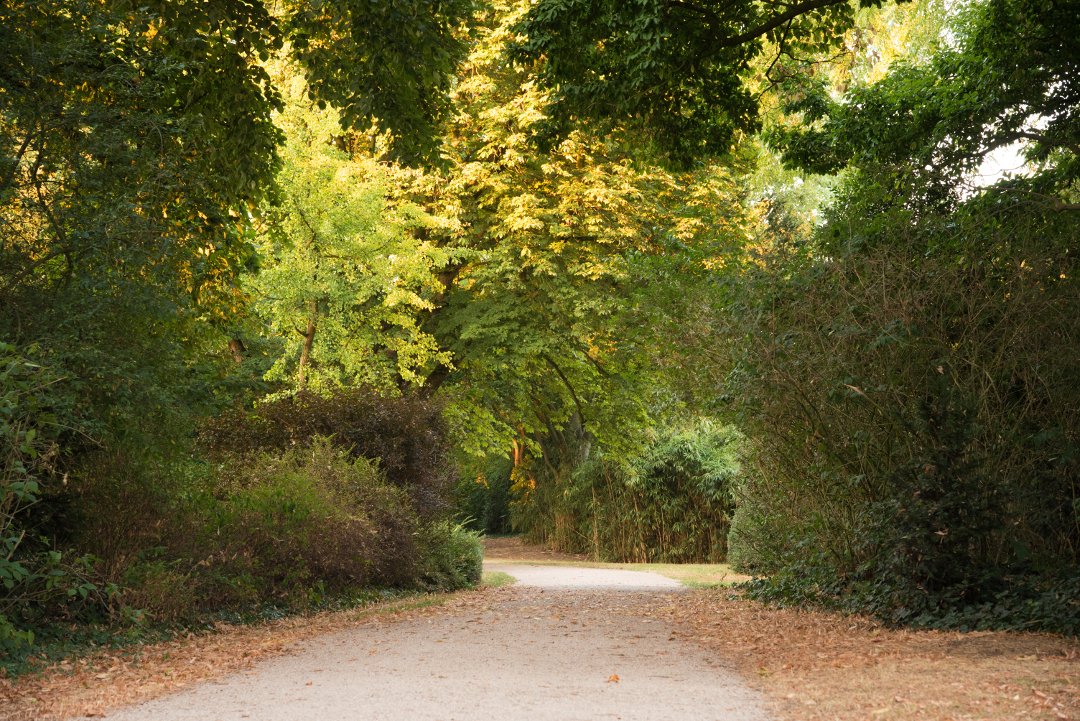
312,515
406,434
912,402
36,579
453,557
253,529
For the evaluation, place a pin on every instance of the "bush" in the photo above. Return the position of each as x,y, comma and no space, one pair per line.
670,503
407,436
35,578
453,557
911,396
312,514
278,528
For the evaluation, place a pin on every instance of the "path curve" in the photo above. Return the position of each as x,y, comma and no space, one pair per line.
564,578
566,644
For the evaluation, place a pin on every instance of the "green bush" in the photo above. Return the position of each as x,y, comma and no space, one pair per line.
407,435
312,514
36,579
670,503
911,396
453,557
260,528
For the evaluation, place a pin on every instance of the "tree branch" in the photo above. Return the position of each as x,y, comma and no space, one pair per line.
776,21
706,12
1044,139
18,159
569,387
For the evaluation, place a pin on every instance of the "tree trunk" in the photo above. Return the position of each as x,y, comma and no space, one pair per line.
305,354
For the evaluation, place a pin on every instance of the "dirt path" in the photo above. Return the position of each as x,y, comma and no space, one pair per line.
565,644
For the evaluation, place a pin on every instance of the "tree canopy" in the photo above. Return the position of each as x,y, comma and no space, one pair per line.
681,72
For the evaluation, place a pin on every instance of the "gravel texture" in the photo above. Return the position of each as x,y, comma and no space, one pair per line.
566,644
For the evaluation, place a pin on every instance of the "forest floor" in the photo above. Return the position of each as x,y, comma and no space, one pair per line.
802,665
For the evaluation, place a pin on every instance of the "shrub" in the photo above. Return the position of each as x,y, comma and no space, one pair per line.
912,400
670,503
35,578
252,529
281,523
453,557
407,436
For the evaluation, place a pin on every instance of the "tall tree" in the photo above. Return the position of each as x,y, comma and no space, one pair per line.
565,258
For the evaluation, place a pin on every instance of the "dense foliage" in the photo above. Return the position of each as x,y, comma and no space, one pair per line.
137,142
679,72
253,528
671,502
407,436
921,460
940,397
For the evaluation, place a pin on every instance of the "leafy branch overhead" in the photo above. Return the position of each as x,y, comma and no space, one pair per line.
677,70
389,62
1011,76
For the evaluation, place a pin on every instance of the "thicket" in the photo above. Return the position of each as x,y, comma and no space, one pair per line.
406,433
32,573
910,379
911,389
482,497
669,502
139,537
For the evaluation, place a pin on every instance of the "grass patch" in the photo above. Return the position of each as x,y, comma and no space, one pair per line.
497,579
694,575
411,603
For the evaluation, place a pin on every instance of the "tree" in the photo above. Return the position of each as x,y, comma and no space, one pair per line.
132,141
345,275
678,71
135,140
564,260
136,144
388,63
1011,76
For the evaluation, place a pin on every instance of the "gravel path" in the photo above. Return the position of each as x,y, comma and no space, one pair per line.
565,644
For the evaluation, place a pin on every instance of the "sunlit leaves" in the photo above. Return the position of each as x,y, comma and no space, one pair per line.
568,257
340,258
